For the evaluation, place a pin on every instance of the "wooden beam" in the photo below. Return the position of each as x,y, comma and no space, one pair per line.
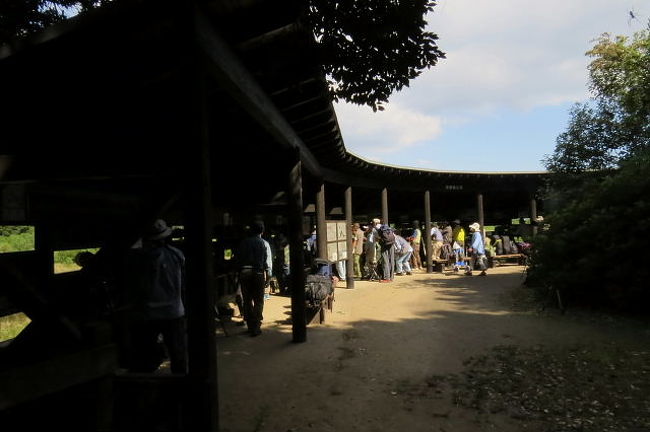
238,82
297,258
480,212
384,206
426,236
283,32
31,381
303,102
533,214
329,111
330,124
295,87
329,135
28,299
321,228
198,218
349,267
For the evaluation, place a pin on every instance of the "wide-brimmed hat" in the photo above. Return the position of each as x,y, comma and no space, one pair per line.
376,221
456,221
475,226
158,230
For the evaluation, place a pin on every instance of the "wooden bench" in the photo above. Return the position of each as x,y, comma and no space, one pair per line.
319,311
440,264
496,260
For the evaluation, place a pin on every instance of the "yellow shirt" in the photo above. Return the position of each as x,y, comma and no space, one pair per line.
459,235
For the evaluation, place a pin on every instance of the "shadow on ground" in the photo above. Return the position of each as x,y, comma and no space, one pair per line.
373,365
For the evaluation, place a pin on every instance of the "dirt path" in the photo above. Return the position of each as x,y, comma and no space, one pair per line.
377,363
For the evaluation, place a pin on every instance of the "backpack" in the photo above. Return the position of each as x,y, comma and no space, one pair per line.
446,252
317,288
509,247
498,245
386,235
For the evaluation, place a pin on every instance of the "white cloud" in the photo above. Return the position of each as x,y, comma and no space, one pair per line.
513,54
502,56
386,132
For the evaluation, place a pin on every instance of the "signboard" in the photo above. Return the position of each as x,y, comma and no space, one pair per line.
337,233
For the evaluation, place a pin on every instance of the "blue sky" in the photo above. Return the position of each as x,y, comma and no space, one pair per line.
501,97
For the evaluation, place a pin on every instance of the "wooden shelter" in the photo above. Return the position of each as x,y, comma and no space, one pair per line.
203,113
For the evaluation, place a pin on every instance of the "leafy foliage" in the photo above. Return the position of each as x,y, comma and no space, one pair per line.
16,238
22,17
616,123
372,48
595,251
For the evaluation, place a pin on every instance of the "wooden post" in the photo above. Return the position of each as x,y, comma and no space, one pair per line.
426,235
297,258
44,252
384,206
321,227
533,215
201,400
349,267
481,217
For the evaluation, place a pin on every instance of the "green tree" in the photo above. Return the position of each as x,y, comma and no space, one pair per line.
22,17
372,48
616,123
595,251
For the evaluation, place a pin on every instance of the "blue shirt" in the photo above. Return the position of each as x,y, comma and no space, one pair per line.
269,257
477,243
252,253
402,246
159,274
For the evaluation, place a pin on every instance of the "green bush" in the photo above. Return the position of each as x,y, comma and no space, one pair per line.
16,238
595,252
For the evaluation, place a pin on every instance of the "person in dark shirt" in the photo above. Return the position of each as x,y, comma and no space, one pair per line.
252,260
157,272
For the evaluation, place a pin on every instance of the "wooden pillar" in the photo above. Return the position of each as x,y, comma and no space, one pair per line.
349,267
297,258
481,216
321,227
202,396
384,206
426,235
44,252
533,214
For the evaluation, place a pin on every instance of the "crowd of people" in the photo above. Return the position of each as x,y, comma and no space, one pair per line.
154,274
382,252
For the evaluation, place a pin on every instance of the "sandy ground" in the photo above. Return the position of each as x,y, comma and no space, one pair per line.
372,365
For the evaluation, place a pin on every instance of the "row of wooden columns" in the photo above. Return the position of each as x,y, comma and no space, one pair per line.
321,229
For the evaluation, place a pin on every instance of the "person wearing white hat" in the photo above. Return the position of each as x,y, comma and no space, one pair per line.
477,251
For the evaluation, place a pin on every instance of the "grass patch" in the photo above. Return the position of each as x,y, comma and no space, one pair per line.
16,238
64,260
12,325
